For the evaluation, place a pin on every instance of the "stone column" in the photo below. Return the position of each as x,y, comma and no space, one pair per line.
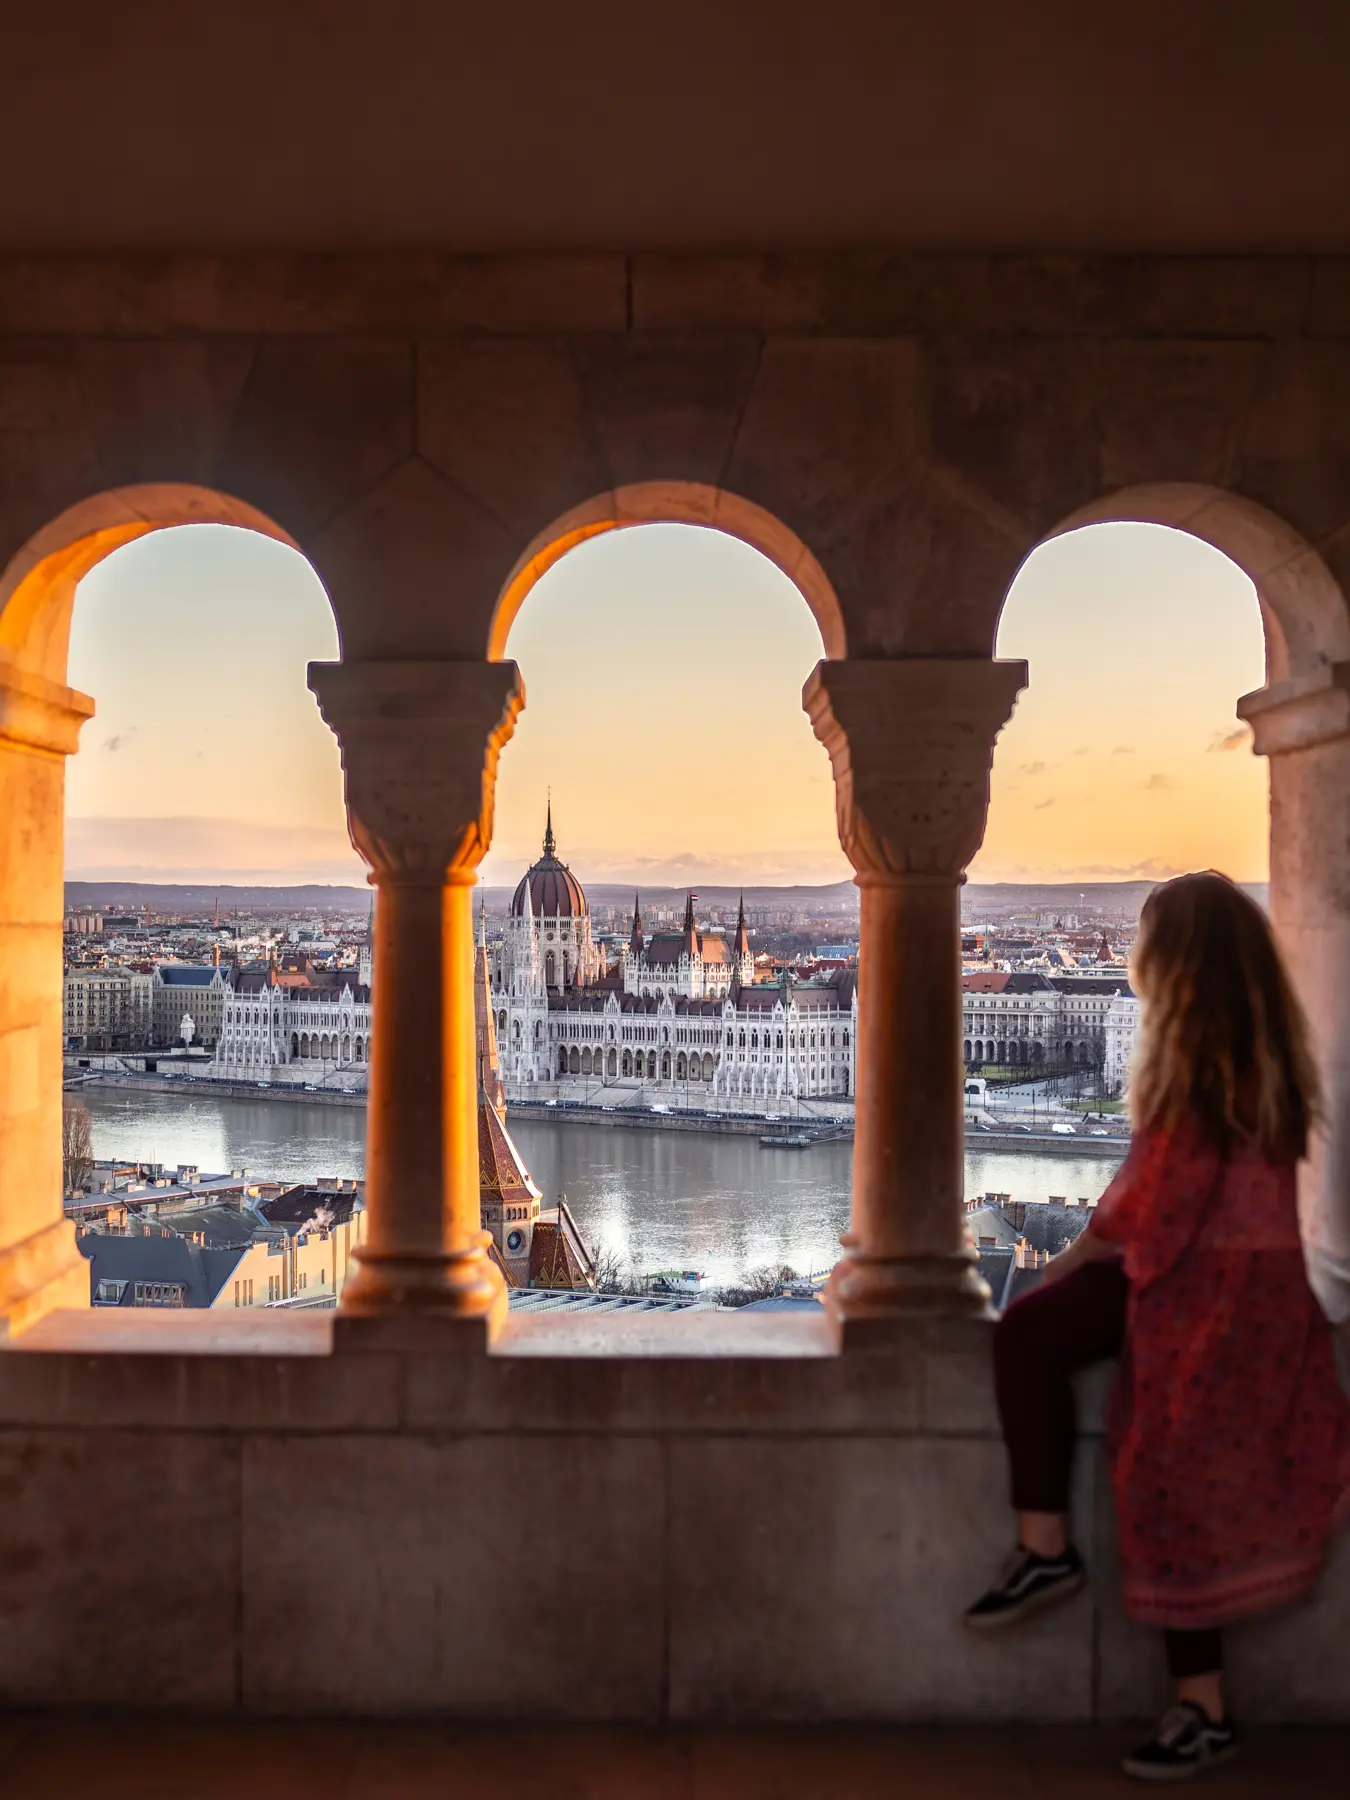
911,741
40,1266
1303,726
420,742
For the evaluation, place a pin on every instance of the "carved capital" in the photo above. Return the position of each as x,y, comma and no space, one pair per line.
911,741
420,742
40,714
1300,713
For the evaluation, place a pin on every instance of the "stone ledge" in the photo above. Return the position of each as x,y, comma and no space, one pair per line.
669,1375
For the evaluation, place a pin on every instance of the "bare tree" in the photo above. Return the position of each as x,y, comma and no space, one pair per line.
758,1284
613,1275
77,1145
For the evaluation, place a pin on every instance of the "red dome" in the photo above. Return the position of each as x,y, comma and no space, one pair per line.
554,891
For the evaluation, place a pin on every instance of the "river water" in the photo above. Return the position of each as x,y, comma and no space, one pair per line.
655,1199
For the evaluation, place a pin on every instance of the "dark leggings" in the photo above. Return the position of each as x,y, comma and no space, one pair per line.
1040,1343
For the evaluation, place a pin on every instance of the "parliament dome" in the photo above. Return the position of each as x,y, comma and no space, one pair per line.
552,890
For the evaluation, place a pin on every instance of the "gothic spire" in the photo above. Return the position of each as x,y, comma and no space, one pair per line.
690,934
741,942
550,844
635,936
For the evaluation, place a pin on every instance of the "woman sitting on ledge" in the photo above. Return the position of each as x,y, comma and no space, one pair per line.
1230,1440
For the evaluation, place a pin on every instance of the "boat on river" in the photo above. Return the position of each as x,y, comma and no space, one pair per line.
786,1140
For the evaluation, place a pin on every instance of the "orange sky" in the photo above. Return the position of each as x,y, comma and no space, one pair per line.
663,667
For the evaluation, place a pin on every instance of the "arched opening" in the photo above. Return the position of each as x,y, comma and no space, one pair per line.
1213,656
659,610
159,721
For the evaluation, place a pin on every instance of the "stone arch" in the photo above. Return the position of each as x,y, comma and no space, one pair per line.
1303,608
346,1049
611,1064
37,586
672,503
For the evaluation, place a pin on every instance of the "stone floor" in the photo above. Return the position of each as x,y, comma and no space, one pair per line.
91,1758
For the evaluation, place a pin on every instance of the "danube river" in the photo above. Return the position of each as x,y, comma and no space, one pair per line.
656,1199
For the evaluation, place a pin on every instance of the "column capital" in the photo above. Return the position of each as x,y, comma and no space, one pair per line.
38,714
911,741
420,742
1300,713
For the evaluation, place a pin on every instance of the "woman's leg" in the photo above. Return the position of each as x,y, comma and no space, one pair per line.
1039,1344
1195,1663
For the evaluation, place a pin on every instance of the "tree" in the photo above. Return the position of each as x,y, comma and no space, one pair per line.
77,1145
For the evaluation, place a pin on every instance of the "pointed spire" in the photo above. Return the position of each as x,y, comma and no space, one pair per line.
550,843
635,936
690,934
741,942
490,1090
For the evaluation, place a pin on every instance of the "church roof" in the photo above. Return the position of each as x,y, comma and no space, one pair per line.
502,1175
558,1254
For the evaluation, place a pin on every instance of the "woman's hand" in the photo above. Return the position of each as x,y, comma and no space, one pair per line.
1085,1248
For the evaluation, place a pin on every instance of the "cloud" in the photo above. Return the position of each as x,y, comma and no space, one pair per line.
1034,768
1123,750
118,740
1235,738
1158,784
1083,750
1042,804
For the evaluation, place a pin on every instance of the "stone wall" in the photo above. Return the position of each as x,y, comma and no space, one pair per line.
688,1517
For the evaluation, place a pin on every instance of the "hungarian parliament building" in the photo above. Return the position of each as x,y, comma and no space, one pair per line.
676,1011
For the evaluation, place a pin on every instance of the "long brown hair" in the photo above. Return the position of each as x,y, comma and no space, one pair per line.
1223,1041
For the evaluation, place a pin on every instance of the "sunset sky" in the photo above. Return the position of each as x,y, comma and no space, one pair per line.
663,667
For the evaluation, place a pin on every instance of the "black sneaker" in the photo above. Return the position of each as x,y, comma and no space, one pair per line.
1186,1743
1027,1584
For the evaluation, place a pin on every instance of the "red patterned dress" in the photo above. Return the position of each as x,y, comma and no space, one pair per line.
1230,1437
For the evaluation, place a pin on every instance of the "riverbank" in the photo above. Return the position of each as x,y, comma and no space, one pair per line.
756,1125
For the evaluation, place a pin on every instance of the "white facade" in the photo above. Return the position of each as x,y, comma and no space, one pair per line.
1122,1031
1028,1019
678,1012
272,1020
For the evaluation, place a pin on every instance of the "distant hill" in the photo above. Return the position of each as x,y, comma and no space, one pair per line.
1123,896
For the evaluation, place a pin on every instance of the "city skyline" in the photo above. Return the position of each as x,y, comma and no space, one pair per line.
672,660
